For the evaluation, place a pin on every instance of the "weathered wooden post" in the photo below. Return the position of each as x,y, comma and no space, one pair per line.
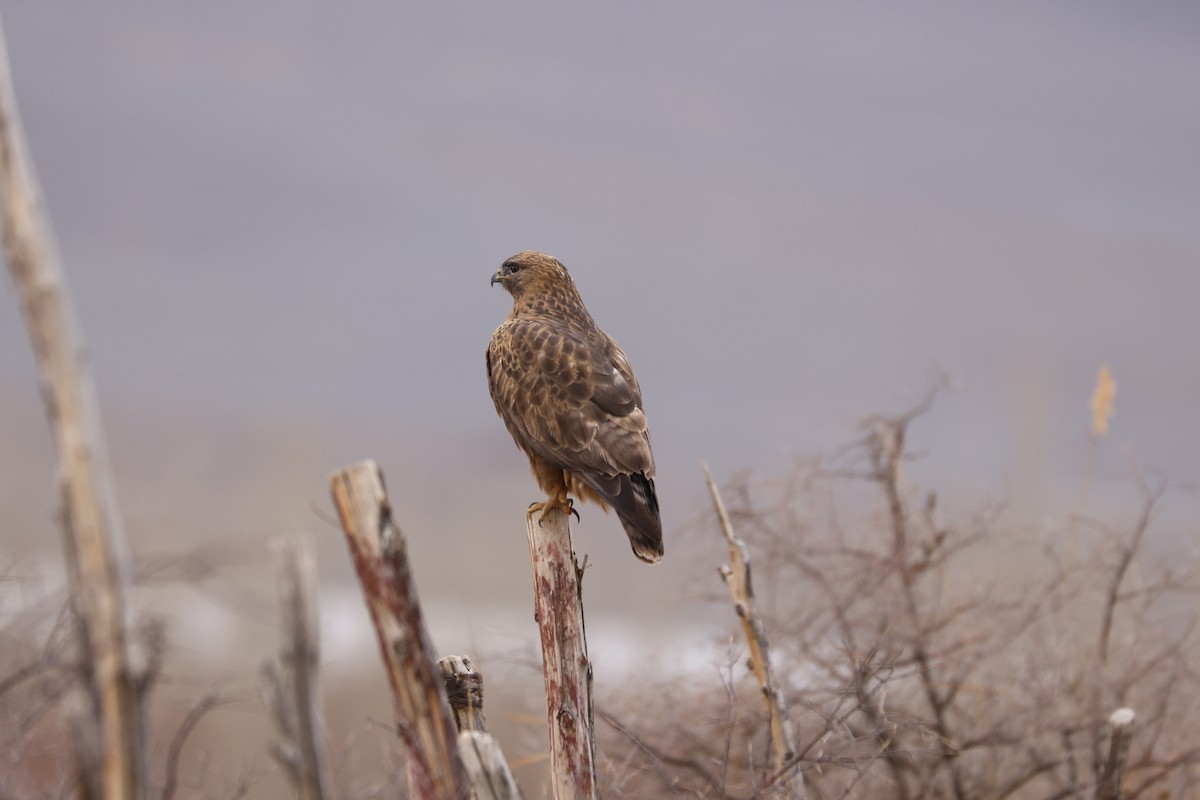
558,609
292,685
481,754
378,550
112,738
1120,727
464,690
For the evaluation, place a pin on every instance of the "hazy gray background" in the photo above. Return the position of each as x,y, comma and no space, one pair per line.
279,220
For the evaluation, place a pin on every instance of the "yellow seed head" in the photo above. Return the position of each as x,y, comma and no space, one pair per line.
1102,401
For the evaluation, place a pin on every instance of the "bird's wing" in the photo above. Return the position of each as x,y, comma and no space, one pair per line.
570,398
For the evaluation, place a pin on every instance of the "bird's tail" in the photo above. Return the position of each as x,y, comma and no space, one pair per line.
636,503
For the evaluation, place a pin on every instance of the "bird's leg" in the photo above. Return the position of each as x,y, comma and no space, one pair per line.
557,500
554,483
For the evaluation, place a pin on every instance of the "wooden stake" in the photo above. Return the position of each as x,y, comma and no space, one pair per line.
481,754
378,550
489,771
558,609
293,688
113,735
1120,726
464,689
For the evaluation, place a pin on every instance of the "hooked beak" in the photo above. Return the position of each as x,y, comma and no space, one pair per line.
501,275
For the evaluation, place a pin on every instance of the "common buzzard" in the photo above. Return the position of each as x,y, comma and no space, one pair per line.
569,398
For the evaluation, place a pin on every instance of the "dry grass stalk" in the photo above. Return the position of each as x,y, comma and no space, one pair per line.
113,741
558,609
785,775
293,685
378,550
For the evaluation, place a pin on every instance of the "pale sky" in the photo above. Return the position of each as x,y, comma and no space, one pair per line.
279,219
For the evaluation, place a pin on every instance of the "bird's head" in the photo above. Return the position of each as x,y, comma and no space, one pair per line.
531,272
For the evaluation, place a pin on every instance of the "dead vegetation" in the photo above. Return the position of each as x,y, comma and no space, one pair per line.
930,655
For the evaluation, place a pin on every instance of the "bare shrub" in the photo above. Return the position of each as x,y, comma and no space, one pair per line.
932,655
37,674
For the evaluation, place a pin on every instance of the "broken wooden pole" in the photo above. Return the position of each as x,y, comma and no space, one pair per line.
464,690
1111,783
112,737
485,763
481,754
292,684
378,550
558,609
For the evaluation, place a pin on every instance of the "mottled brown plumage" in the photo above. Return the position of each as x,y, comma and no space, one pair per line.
569,398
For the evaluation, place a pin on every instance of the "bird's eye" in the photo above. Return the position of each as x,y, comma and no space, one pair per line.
514,268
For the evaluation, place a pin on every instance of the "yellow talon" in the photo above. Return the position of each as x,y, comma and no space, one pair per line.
564,504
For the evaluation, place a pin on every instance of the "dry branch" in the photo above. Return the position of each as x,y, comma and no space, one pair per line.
378,550
784,769
558,609
1150,498
114,746
175,750
293,687
885,442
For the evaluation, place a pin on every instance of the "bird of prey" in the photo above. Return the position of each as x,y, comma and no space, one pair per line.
569,398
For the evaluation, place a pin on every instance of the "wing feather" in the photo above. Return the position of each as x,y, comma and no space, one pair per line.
569,397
